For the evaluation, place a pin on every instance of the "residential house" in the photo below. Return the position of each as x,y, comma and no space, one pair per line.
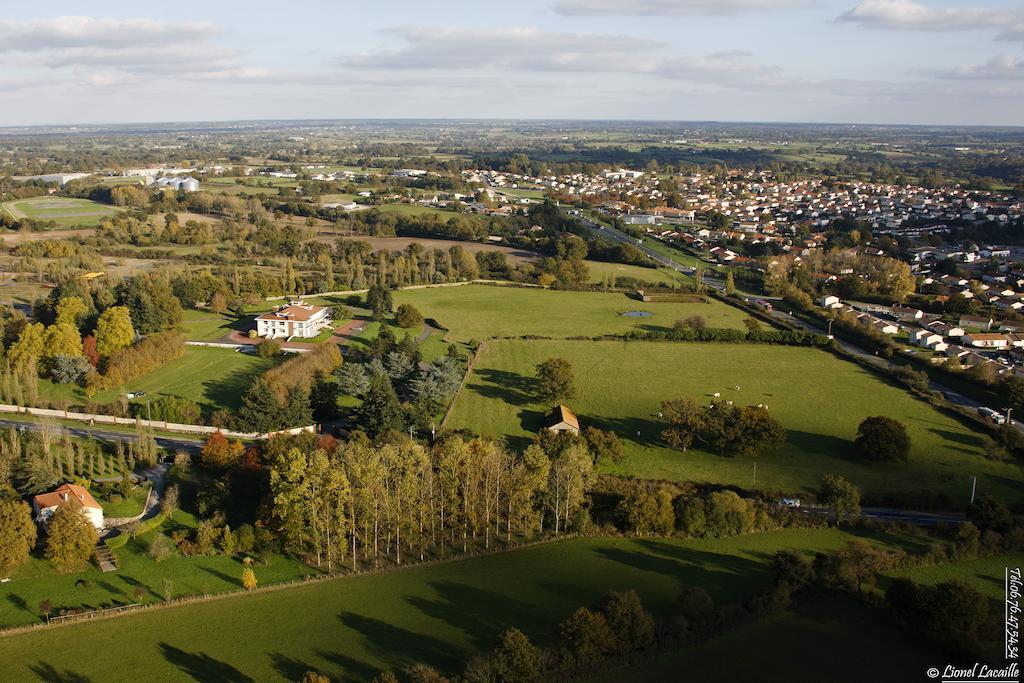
562,419
297,319
73,496
986,340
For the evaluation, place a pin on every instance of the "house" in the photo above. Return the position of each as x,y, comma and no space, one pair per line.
925,338
907,314
986,340
69,495
562,419
829,302
297,319
974,322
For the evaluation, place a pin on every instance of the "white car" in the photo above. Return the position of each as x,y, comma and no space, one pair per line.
790,502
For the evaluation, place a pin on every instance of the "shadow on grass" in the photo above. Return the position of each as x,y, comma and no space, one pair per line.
481,614
823,444
231,580
288,667
386,641
972,440
202,667
353,669
643,431
45,671
510,387
226,392
19,602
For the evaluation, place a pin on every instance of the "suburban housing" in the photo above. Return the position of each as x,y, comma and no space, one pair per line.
297,319
77,497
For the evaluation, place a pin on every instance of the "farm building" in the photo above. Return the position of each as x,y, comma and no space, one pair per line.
562,419
79,498
297,319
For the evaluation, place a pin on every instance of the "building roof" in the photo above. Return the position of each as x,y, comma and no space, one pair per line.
560,414
68,494
987,336
294,311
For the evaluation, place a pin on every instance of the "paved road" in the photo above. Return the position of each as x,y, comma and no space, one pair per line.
167,443
895,515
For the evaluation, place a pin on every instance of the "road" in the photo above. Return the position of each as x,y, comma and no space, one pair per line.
894,515
167,443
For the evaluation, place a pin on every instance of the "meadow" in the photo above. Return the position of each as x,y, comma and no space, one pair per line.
819,399
64,211
213,378
483,311
438,614
601,272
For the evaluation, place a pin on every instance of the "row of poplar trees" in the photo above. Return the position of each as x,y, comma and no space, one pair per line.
363,503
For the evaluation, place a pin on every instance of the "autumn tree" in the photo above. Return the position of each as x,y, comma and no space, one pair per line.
70,539
17,530
515,658
407,315
114,330
839,494
220,453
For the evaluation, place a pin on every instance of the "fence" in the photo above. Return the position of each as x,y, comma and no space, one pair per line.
92,418
238,347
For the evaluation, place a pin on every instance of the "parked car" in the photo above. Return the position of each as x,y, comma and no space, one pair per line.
790,502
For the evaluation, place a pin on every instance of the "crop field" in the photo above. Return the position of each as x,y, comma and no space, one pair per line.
819,399
213,378
482,311
440,614
64,211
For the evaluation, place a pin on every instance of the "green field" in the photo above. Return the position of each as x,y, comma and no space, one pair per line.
600,271
213,378
482,311
809,644
819,398
209,326
439,614
64,211
986,574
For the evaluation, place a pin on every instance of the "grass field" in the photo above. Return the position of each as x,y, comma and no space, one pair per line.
482,311
439,614
600,270
213,378
987,574
808,644
127,507
817,397
210,326
64,211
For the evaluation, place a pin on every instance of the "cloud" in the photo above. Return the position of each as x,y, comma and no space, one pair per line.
910,15
672,7
87,32
503,48
999,67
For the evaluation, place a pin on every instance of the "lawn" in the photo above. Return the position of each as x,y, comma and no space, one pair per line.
36,580
810,643
352,627
126,507
213,378
64,211
483,311
210,326
601,272
986,574
819,398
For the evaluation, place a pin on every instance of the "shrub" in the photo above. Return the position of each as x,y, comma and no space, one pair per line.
268,348
407,315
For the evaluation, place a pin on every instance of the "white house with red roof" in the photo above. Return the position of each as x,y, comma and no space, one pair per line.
69,495
297,319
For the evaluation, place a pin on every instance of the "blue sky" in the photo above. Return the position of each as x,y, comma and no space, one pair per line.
860,61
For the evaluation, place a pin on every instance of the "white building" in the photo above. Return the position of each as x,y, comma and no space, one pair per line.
297,319
186,184
69,495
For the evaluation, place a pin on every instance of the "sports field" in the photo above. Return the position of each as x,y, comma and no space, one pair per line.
213,378
440,614
819,399
482,312
64,211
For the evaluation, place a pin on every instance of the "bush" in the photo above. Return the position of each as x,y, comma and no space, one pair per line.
128,364
407,316
268,348
160,548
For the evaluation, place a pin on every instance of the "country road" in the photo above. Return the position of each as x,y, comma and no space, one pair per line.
167,443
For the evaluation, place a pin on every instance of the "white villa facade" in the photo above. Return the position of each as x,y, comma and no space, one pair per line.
297,319
72,495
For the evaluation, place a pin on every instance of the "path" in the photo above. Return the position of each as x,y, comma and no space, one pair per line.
157,476
167,443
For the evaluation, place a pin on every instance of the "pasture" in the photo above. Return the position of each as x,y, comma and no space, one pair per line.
819,399
483,311
213,378
439,614
64,211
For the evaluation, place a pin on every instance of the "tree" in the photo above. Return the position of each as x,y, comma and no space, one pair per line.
17,530
882,439
260,410
407,316
68,369
70,539
515,658
858,562
24,354
988,513
114,330
586,637
555,380
353,379
62,339
686,419
839,494
70,311
730,284
378,300
380,410
220,453
605,446
727,515
90,351
631,624
248,577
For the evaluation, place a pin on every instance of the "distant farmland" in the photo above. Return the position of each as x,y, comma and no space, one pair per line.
64,211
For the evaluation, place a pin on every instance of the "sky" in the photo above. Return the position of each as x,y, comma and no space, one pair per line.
852,61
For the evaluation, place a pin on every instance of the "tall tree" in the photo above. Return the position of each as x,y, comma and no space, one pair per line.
555,380
17,530
114,330
70,539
